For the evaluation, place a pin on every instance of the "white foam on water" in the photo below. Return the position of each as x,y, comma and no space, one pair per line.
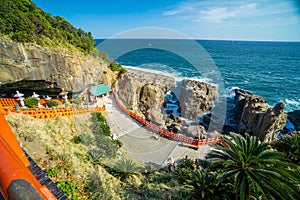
293,102
175,75
166,72
230,92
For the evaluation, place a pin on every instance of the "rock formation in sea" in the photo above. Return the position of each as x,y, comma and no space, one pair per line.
254,116
140,91
144,93
294,117
196,98
30,62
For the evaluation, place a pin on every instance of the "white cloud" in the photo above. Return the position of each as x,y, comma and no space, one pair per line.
216,15
220,14
246,16
180,9
206,11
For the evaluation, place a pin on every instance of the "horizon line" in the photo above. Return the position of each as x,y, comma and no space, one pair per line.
208,39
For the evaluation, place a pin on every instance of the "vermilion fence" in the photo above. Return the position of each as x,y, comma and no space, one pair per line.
68,112
164,132
14,168
9,105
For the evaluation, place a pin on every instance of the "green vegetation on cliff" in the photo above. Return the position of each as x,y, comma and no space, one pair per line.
117,67
24,22
87,164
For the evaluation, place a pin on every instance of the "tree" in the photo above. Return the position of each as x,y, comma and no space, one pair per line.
290,146
125,169
255,169
208,186
23,22
184,170
52,103
31,102
117,67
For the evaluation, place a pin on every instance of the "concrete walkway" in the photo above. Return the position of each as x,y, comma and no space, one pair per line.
142,144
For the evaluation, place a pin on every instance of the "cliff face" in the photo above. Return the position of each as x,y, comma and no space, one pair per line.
196,98
73,73
254,116
144,93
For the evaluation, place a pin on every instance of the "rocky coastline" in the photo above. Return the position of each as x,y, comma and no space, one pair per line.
143,92
254,116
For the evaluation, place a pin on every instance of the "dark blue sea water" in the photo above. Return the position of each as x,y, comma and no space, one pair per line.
268,69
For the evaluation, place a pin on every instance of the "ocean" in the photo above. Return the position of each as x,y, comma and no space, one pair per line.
268,69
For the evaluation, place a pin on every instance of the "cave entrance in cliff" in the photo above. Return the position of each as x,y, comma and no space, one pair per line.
27,87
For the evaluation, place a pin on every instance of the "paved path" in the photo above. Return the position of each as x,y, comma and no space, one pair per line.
142,144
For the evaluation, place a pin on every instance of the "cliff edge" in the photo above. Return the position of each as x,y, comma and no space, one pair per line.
31,62
254,116
144,93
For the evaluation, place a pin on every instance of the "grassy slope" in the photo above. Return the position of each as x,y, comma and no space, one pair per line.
51,144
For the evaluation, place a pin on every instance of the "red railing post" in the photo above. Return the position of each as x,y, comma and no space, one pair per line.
161,131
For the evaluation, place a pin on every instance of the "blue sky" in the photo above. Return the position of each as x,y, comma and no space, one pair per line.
203,19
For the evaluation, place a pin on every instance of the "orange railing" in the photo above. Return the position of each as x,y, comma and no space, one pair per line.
164,132
14,171
66,112
9,105
13,168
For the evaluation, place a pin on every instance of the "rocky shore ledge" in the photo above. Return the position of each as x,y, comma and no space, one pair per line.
254,116
144,93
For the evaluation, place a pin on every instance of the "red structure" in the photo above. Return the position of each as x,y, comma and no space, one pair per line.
16,179
14,172
187,140
9,105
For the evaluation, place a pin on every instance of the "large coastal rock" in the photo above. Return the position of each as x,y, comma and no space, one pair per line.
196,98
294,117
144,93
254,116
71,72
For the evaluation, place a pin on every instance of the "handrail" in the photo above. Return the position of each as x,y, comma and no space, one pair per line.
13,168
8,102
164,132
9,105
17,181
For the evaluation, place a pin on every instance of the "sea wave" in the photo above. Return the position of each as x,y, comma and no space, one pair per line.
168,71
230,92
175,75
292,104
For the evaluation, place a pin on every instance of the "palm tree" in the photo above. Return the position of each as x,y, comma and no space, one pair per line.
207,186
255,169
125,169
290,146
